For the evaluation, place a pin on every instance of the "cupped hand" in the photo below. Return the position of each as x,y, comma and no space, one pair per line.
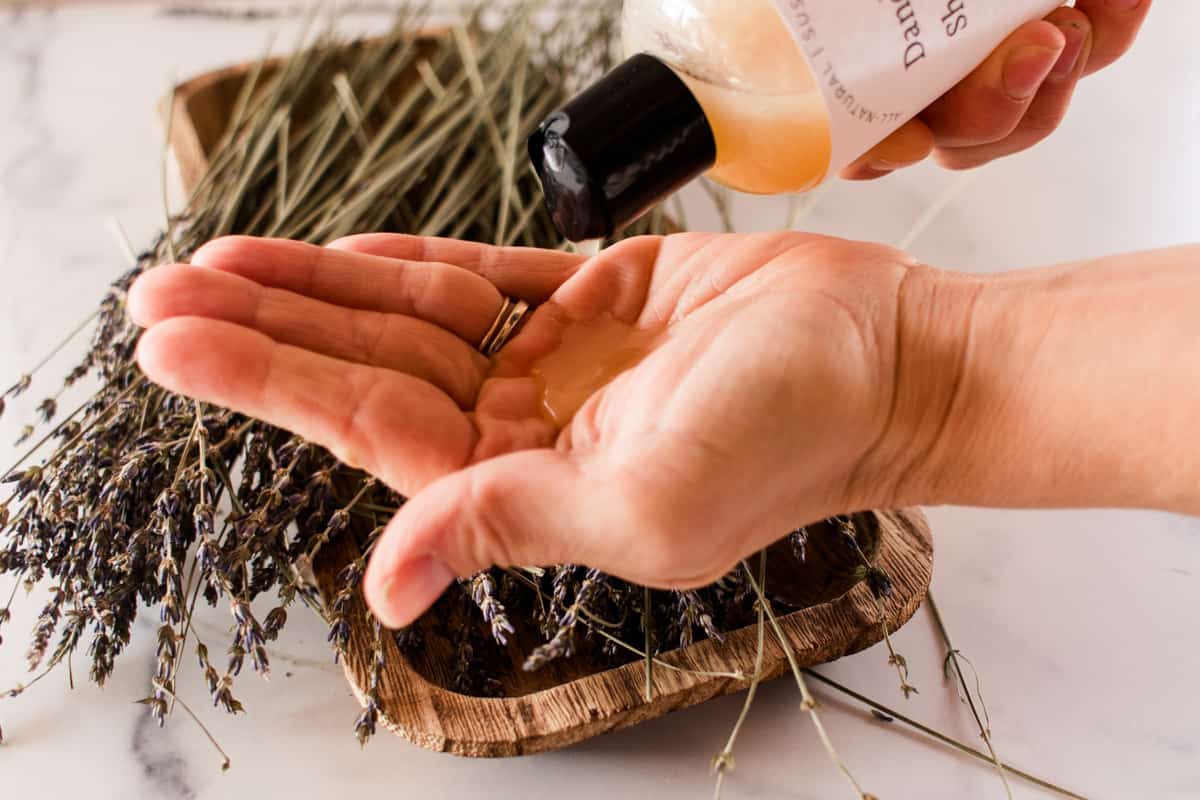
759,409
1018,96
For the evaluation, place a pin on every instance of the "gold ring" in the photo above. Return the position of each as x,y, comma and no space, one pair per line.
512,314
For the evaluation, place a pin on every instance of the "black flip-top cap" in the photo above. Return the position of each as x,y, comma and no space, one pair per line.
620,148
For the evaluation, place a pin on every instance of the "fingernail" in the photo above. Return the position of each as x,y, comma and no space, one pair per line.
1124,5
406,593
1076,36
887,165
1026,69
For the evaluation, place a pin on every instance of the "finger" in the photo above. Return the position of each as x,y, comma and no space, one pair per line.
612,287
526,273
389,341
451,297
595,311
350,409
911,144
536,507
1048,108
614,282
987,105
1116,24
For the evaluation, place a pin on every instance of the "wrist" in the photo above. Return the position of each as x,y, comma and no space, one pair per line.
926,431
1065,387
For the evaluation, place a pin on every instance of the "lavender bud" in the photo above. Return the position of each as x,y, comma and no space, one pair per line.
47,409
879,582
274,623
799,543
21,386
237,655
338,523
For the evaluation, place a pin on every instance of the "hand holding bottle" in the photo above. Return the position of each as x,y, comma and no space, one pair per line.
793,377
777,96
1018,96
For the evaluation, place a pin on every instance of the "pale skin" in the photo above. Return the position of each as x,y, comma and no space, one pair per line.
1018,96
801,377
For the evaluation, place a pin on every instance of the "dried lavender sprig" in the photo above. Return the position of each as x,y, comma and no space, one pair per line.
723,762
482,589
808,702
950,662
76,437
897,716
226,763
26,380
879,584
340,521
349,579
564,581
251,553
596,627
20,387
695,612
365,725
47,624
799,543
562,644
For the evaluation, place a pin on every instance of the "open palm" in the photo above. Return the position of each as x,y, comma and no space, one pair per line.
757,411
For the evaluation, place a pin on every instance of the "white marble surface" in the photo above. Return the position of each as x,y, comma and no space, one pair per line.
1082,624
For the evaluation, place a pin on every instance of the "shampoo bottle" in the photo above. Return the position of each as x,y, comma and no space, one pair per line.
766,96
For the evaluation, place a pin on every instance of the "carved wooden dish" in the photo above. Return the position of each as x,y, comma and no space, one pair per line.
571,702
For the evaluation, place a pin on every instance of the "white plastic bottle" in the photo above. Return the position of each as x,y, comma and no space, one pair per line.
767,96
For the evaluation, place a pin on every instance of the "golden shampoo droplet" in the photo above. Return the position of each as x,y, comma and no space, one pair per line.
591,355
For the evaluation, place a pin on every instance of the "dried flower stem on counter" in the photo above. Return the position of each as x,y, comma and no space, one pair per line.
953,670
808,703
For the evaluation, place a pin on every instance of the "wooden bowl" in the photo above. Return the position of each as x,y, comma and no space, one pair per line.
572,702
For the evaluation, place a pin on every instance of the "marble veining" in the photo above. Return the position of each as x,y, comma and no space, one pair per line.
165,771
1080,623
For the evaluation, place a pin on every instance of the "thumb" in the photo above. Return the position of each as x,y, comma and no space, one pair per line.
535,507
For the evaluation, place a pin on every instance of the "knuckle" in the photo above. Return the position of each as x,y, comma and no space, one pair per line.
1038,127
629,266
431,288
974,115
960,161
992,124
464,377
368,334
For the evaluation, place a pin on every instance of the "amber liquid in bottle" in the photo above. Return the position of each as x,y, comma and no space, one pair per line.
757,90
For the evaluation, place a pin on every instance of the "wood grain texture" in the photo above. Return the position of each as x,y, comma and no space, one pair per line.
198,118
565,714
556,708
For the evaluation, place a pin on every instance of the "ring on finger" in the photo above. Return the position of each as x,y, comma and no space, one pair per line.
508,321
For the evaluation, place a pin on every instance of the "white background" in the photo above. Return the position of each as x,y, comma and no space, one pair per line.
1083,625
